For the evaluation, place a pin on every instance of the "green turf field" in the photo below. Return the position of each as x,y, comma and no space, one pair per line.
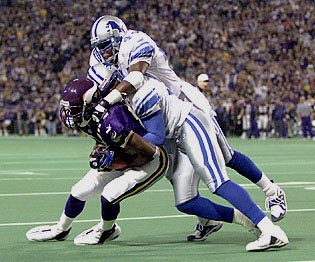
36,175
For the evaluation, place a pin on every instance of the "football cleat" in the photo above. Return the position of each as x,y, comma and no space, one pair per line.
202,232
97,236
47,233
277,238
277,204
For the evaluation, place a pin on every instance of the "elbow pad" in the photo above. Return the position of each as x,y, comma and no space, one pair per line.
135,78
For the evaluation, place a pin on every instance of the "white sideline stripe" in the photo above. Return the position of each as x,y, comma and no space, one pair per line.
34,194
291,184
39,178
124,219
94,220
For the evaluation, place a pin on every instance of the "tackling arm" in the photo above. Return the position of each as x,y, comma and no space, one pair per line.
134,78
133,81
155,129
130,83
143,149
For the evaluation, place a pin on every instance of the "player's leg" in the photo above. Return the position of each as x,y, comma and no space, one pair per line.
132,182
185,185
275,196
92,183
208,161
187,200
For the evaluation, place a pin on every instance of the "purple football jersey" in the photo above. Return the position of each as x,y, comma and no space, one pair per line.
116,126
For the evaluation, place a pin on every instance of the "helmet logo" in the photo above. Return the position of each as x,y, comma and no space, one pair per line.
113,25
64,103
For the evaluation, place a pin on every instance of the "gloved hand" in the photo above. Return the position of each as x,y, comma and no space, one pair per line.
102,159
100,110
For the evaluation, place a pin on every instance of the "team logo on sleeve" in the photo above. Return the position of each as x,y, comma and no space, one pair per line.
113,134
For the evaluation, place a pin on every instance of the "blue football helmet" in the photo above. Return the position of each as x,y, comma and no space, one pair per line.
106,35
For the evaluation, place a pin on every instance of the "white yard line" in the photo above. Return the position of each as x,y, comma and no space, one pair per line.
248,186
124,219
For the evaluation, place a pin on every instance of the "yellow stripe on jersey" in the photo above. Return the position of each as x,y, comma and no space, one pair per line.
148,182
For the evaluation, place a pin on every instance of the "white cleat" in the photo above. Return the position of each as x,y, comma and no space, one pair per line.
96,236
47,233
276,239
277,204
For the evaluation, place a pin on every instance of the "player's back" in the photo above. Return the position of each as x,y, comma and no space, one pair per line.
154,95
137,46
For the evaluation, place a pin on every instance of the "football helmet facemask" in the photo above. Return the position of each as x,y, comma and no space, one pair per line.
77,103
106,35
106,77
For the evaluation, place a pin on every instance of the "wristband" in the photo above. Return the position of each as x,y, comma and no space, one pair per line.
113,97
135,78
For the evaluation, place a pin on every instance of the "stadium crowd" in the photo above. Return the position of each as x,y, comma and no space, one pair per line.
254,52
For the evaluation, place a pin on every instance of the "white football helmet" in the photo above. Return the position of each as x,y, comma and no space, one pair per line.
106,34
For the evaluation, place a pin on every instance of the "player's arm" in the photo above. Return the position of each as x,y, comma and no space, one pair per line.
133,81
136,153
143,149
155,128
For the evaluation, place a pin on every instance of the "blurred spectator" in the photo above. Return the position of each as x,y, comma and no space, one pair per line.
235,127
257,50
278,119
290,119
222,117
39,120
51,121
263,119
22,120
246,113
253,130
305,114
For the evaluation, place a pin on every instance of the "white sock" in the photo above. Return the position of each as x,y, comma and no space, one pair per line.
241,219
106,225
64,222
267,186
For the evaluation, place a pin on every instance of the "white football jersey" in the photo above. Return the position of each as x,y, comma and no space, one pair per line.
137,46
154,95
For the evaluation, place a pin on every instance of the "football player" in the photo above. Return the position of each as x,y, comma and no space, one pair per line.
197,148
122,164
137,55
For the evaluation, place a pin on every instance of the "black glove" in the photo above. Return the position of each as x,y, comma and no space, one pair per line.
100,110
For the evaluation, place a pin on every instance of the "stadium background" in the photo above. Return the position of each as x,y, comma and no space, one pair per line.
252,51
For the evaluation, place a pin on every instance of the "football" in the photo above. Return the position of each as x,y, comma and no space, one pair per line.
121,157
120,163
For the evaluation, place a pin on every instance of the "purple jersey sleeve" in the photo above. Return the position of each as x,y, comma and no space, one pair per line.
118,124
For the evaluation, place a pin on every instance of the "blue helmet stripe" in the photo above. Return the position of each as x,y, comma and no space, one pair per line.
95,26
